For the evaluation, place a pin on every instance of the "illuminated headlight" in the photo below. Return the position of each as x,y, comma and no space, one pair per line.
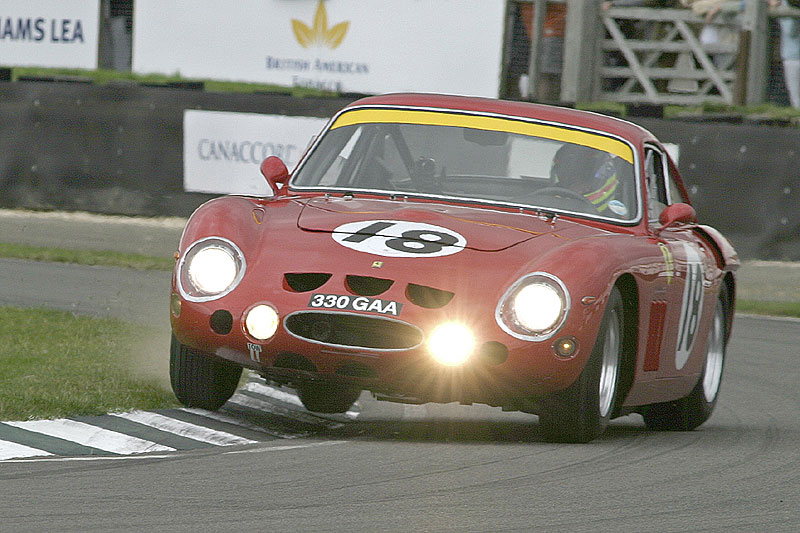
210,269
451,344
534,308
261,322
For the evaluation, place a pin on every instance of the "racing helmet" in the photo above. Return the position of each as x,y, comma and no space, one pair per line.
587,171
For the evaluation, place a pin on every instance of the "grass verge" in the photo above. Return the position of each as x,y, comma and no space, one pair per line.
86,257
108,76
788,309
55,364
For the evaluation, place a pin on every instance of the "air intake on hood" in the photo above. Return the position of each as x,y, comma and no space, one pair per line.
368,286
305,282
428,297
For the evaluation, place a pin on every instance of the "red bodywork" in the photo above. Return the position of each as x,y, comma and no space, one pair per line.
290,234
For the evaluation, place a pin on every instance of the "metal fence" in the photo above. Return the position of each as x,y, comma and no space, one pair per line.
640,55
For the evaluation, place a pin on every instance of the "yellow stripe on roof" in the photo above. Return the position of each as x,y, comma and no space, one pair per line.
482,122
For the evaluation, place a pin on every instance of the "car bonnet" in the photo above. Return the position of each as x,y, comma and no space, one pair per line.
468,227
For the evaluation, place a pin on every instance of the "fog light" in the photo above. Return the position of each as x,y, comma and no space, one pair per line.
566,347
261,322
451,344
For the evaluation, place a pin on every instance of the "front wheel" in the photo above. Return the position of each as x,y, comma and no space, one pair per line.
582,411
692,410
200,380
327,397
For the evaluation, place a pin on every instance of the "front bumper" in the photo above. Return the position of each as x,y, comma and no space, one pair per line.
380,352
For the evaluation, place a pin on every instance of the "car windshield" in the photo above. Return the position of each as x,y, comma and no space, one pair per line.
474,158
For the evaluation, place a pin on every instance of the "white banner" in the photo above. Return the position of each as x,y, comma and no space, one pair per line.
49,33
222,152
448,46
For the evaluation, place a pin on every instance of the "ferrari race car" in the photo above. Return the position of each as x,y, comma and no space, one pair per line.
432,248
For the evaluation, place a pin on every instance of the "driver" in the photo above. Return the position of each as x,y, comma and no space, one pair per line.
590,173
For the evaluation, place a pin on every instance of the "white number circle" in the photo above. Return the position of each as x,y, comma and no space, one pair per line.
398,238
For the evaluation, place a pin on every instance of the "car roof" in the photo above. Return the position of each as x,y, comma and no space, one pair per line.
527,110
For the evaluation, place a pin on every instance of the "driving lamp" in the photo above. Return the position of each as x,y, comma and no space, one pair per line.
451,344
261,322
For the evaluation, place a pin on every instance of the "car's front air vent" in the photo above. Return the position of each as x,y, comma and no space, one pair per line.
367,286
428,297
305,282
353,331
221,322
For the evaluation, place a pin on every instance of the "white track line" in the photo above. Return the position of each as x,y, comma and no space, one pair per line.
282,396
267,407
272,392
222,417
184,429
12,450
89,435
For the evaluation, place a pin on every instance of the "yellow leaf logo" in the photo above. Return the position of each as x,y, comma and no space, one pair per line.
319,34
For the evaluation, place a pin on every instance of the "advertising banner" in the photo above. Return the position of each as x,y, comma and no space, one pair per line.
449,46
222,152
49,33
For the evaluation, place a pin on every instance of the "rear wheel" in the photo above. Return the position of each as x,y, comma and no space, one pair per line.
582,412
695,408
200,380
327,397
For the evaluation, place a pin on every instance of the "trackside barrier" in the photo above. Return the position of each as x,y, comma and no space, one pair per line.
118,150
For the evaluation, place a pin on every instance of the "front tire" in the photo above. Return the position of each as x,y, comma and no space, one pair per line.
200,380
582,411
327,397
692,410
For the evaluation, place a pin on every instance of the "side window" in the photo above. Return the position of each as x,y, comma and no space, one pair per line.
675,194
656,190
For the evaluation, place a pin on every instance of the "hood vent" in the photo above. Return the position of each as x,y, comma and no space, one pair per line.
428,297
305,282
367,286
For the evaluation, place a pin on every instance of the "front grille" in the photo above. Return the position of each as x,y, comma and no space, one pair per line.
353,331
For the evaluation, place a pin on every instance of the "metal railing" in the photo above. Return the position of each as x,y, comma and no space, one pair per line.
647,55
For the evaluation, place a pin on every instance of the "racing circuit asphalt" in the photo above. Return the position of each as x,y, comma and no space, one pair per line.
423,468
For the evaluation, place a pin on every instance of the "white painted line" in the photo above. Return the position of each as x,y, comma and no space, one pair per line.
289,447
12,450
414,412
55,459
221,417
267,407
184,429
88,435
272,392
283,396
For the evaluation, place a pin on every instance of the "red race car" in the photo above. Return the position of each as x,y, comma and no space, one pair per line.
434,248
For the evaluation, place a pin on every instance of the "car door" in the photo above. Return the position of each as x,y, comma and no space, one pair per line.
681,301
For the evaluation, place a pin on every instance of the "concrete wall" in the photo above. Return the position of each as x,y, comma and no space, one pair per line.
118,150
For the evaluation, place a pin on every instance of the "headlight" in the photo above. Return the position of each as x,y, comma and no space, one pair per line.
261,322
210,268
451,344
534,308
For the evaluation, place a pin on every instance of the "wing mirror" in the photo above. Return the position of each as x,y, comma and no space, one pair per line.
275,172
677,214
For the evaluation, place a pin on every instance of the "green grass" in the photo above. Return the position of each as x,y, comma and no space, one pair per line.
107,76
788,309
56,364
86,257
